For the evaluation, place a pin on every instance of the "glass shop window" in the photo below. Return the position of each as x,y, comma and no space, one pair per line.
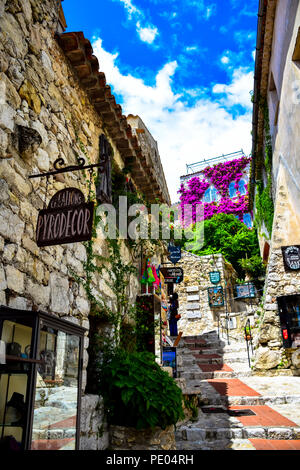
289,312
56,394
16,342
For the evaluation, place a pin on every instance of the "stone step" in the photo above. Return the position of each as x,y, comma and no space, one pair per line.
262,432
249,401
226,444
212,375
188,362
216,345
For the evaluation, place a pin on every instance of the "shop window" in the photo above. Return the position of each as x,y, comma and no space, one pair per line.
40,381
289,313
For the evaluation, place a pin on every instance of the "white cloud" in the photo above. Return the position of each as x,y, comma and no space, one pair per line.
131,9
238,91
191,48
210,11
185,133
225,60
146,32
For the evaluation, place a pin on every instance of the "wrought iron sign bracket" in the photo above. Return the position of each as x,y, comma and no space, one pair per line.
70,168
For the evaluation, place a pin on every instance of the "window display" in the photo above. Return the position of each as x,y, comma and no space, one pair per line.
40,378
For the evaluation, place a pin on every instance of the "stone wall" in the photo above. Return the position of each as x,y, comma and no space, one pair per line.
93,428
124,438
270,353
45,113
197,316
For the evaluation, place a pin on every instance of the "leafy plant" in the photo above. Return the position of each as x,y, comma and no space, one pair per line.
137,392
263,199
225,234
253,266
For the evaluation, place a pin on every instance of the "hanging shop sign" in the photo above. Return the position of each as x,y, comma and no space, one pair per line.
291,257
172,275
215,277
175,253
67,219
215,296
245,291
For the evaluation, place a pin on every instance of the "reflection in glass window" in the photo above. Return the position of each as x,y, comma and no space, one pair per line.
232,190
55,407
211,195
242,187
247,220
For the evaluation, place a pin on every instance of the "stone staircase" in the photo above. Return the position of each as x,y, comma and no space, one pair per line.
237,410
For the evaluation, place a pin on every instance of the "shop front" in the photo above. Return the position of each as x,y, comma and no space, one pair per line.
289,313
40,381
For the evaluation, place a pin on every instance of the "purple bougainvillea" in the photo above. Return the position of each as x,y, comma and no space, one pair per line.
220,176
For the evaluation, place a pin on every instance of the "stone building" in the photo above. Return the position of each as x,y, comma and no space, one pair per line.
275,177
219,184
201,310
55,103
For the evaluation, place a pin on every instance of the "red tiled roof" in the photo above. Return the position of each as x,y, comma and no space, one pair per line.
79,51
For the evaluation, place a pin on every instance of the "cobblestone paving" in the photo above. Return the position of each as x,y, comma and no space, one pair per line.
219,374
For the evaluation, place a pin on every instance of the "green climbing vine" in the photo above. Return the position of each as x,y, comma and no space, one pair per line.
263,200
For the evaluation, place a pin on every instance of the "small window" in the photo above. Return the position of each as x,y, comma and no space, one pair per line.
232,190
211,195
242,187
214,195
247,220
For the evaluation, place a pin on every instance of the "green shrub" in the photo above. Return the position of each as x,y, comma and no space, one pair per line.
137,392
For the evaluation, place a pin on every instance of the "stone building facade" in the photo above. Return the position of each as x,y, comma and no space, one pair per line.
54,102
275,176
197,315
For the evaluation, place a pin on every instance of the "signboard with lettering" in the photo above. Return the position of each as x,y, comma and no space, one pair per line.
215,277
291,257
215,296
245,291
67,219
172,275
175,253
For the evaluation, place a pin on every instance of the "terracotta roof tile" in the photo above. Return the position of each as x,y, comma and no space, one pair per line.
79,51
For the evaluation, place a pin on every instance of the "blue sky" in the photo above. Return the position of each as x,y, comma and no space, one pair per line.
184,66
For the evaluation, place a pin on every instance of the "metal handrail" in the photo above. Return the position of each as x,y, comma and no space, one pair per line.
248,338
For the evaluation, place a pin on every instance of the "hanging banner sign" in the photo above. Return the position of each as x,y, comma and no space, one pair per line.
215,277
67,219
291,257
175,253
172,275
